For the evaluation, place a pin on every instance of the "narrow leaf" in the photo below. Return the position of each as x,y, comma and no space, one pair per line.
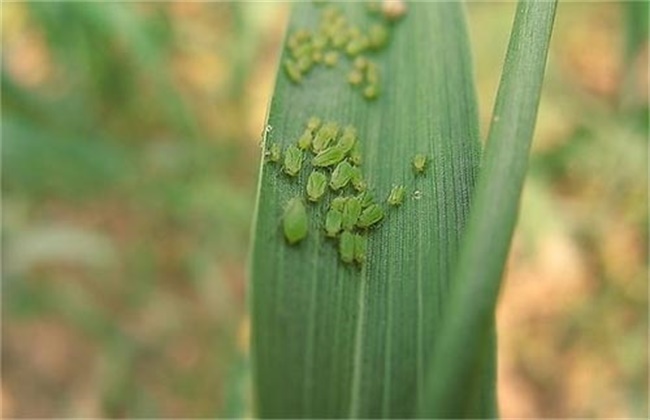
332,339
467,332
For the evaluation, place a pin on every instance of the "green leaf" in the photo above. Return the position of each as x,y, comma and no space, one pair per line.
334,340
469,319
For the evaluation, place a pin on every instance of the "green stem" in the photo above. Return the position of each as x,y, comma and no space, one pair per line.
466,332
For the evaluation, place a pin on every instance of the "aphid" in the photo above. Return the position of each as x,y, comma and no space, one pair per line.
419,163
302,34
313,124
360,63
360,247
324,136
354,32
357,180
331,58
348,139
356,45
351,213
396,196
355,155
339,39
338,203
377,36
394,9
340,21
304,142
316,185
295,221
292,160
366,198
333,223
370,92
302,50
346,247
274,153
293,42
319,42
305,63
341,176
374,7
331,12
355,77
317,56
293,71
371,215
328,157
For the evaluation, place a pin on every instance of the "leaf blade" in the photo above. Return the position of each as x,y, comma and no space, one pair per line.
332,341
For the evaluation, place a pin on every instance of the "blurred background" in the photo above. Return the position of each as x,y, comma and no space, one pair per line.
130,151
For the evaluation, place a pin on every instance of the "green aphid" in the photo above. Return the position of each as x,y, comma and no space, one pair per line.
377,36
360,247
360,63
293,71
374,7
354,32
317,57
351,213
302,34
305,63
339,21
393,10
293,43
328,157
313,124
274,154
396,196
339,39
419,163
331,12
357,180
316,185
371,92
319,42
355,77
356,46
304,142
348,139
292,160
295,221
341,176
324,136
331,58
370,215
366,199
355,155
346,247
302,50
338,203
333,222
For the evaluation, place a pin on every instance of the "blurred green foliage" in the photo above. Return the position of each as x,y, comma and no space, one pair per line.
127,204
129,151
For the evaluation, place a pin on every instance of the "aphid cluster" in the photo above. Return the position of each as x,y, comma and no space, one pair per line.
333,158
334,38
365,74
